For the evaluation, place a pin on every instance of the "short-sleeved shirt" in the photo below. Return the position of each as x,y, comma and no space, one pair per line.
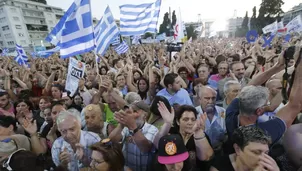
134,158
182,97
87,139
274,128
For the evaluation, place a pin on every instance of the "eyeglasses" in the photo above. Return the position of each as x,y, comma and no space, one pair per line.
6,164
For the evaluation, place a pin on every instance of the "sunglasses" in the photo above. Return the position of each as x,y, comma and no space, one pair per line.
6,164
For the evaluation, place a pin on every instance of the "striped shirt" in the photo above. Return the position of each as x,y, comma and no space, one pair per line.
135,159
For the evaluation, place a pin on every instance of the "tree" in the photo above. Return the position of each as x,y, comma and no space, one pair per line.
245,22
174,19
254,24
165,26
148,34
270,11
191,32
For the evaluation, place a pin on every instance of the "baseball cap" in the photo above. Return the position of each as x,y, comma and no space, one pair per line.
172,149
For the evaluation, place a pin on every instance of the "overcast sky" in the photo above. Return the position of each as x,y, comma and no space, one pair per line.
218,10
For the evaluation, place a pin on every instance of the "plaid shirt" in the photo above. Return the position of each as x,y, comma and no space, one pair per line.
135,159
87,139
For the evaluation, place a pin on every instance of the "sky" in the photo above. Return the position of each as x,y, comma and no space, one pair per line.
217,10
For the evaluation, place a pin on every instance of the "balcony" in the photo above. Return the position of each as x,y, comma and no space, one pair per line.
37,28
32,21
33,14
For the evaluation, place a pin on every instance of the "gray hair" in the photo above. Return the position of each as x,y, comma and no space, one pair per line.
227,85
64,114
132,97
251,98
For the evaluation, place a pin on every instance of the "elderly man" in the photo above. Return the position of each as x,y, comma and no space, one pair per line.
136,134
215,123
71,150
237,69
231,89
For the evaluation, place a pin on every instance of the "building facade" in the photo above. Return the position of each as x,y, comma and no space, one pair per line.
26,23
294,12
233,24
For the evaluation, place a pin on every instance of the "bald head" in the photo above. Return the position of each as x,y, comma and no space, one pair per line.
274,86
292,143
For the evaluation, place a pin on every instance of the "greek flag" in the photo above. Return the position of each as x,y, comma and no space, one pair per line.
47,53
21,57
116,41
135,40
5,52
105,32
139,19
74,32
122,48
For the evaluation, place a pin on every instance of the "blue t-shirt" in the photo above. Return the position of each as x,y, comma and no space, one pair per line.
274,128
181,97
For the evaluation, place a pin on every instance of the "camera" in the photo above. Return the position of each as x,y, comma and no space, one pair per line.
289,53
174,47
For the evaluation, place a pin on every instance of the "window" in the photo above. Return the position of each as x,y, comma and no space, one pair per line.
8,35
5,28
2,20
16,18
11,43
18,27
14,10
21,34
23,42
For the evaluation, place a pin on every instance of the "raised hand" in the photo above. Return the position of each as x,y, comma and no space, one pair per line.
199,126
126,119
29,126
65,157
79,151
167,116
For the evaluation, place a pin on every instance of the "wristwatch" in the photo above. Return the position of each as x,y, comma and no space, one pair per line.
132,132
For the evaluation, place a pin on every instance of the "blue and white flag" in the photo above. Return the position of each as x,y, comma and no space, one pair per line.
116,41
74,32
135,40
122,48
47,53
5,52
139,19
21,57
105,32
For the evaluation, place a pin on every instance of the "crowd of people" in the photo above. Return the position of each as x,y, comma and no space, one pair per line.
219,104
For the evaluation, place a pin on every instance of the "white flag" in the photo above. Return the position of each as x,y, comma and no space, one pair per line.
294,25
76,70
179,34
273,28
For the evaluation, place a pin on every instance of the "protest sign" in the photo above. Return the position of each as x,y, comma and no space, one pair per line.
76,71
271,28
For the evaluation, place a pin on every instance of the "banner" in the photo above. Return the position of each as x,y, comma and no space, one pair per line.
294,25
251,36
272,28
47,53
76,70
149,40
39,48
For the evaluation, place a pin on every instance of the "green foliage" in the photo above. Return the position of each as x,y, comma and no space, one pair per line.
245,21
270,11
254,24
164,27
191,32
174,19
148,34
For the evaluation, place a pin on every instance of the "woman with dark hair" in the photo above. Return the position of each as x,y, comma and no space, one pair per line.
57,91
103,70
155,117
107,156
192,132
143,89
137,75
24,111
